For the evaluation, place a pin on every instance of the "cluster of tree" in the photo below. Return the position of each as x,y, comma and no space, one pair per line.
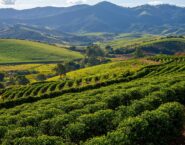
174,36
62,68
94,55
41,77
15,77
18,80
138,52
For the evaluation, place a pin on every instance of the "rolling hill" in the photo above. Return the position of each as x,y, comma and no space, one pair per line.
102,17
164,46
48,35
17,51
150,44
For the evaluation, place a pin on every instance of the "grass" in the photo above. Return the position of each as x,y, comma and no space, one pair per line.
150,44
12,51
129,40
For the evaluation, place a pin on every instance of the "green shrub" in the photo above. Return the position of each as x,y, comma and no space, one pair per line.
3,131
97,124
41,140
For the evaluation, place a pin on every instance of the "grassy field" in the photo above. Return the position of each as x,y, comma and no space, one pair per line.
12,51
129,40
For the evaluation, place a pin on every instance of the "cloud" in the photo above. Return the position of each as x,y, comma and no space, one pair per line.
76,2
7,2
155,2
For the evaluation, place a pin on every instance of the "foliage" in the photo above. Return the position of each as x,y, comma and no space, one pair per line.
2,76
41,77
127,108
22,80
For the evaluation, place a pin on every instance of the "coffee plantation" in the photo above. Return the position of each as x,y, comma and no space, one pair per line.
143,107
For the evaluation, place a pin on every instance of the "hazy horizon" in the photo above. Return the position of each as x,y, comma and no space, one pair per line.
22,4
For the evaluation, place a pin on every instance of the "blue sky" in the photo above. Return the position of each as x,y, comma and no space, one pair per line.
23,4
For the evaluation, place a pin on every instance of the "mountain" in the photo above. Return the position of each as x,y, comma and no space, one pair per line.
52,36
102,17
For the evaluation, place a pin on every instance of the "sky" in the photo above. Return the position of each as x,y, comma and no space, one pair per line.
25,4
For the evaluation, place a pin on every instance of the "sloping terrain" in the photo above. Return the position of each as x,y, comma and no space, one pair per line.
133,108
45,34
165,46
148,44
12,51
113,68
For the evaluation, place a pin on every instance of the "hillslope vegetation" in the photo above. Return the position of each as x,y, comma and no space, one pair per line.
22,51
148,43
122,108
102,17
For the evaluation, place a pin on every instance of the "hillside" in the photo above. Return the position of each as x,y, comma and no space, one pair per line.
102,17
164,46
129,40
143,107
45,34
13,51
113,68
150,44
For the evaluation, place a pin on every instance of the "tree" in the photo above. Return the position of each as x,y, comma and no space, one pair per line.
2,77
41,77
94,51
60,69
138,53
94,55
22,80
73,48
109,49
1,86
71,66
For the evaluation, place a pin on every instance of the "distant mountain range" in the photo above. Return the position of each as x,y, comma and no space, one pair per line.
102,17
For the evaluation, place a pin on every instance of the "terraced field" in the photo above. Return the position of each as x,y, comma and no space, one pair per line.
113,68
138,108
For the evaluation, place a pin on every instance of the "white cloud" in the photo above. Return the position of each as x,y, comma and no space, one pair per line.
76,2
155,2
7,2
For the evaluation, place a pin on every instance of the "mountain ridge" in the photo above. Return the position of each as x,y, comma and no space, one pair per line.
102,17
